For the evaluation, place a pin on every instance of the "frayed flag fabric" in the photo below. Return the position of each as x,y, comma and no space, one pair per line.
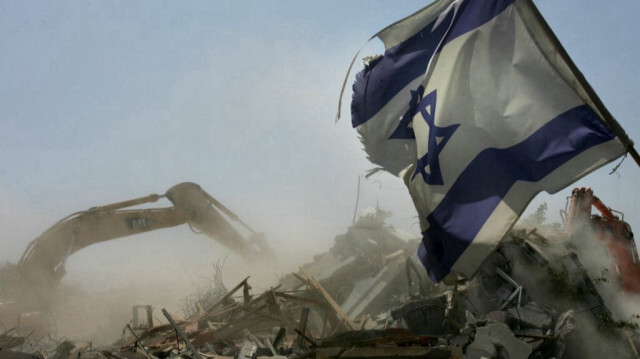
478,107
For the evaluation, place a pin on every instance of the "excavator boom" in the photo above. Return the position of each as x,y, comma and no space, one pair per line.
43,263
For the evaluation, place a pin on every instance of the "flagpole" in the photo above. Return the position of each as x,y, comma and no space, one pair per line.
634,154
606,115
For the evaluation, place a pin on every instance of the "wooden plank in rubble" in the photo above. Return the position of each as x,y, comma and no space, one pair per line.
336,307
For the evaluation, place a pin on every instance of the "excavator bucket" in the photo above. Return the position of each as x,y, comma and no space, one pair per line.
205,214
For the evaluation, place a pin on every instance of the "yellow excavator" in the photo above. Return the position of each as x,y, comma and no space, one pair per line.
42,265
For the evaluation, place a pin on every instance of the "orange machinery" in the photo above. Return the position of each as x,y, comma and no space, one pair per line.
611,229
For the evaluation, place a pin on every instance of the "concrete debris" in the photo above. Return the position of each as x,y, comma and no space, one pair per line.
8,354
63,350
8,341
248,350
482,346
368,297
506,343
497,316
439,314
531,315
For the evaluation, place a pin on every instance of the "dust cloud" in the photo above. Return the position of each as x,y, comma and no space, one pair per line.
94,301
601,267
595,335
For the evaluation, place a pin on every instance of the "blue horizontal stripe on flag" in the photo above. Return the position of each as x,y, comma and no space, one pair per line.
401,64
476,193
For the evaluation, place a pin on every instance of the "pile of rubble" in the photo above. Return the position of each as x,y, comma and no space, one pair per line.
369,297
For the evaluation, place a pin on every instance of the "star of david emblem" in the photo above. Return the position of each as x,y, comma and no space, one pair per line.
428,165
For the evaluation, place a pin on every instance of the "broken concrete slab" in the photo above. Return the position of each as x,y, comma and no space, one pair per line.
482,346
460,341
532,315
496,340
504,340
366,291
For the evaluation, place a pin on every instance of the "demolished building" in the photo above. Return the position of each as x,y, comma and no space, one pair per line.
368,297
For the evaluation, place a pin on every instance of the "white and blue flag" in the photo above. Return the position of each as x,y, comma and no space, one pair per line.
477,106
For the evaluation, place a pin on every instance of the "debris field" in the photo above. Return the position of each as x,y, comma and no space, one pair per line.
369,297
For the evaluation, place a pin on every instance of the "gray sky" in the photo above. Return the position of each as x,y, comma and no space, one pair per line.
102,101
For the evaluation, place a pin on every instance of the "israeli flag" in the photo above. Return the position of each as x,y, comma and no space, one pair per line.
478,107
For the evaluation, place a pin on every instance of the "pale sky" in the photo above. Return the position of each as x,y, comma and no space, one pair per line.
103,101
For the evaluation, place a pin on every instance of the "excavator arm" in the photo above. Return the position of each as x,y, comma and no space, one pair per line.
43,263
611,230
